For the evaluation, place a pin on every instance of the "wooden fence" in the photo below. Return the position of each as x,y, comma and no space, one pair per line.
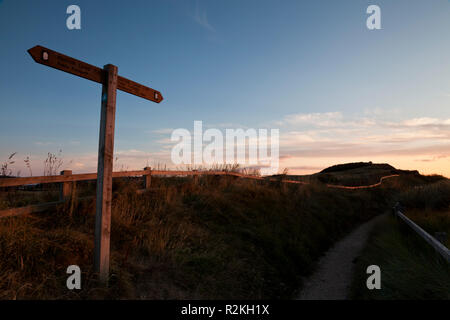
66,180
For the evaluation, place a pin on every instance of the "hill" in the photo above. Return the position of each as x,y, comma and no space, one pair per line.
352,174
357,165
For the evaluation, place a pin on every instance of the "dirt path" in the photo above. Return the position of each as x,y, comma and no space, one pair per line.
333,276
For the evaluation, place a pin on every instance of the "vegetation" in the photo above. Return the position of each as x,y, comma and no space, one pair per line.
410,269
5,170
429,207
356,174
434,196
349,166
215,238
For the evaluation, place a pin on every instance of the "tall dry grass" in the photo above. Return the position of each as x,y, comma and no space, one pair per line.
217,238
429,206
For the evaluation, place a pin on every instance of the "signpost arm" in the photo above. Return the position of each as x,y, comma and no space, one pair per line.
104,176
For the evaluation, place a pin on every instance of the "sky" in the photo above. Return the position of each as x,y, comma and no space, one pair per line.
337,91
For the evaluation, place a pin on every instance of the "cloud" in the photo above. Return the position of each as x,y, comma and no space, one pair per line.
166,141
78,165
311,141
327,137
333,135
328,119
426,122
435,158
339,150
163,131
44,143
308,168
201,18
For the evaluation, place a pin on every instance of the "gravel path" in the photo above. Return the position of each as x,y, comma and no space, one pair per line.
333,277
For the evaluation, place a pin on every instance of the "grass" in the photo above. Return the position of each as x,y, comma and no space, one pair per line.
13,197
410,269
432,221
220,238
429,207
433,196
361,174
217,238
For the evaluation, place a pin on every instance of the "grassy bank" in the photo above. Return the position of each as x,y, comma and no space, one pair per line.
429,207
410,269
215,239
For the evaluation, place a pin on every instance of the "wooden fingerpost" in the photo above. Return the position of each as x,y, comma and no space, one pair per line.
111,82
65,188
104,173
148,177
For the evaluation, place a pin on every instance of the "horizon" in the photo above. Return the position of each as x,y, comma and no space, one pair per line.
337,91
211,167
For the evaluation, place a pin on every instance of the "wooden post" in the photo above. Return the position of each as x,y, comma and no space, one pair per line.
104,173
110,80
148,177
195,176
65,188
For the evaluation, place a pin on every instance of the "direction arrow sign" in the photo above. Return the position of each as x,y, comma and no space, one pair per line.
82,69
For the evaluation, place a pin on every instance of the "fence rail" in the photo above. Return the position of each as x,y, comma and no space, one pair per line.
13,182
29,209
66,180
437,246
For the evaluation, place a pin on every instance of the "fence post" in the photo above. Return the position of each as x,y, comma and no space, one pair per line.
65,188
148,177
195,176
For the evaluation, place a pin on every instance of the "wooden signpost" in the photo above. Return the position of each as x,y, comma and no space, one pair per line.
82,69
111,81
